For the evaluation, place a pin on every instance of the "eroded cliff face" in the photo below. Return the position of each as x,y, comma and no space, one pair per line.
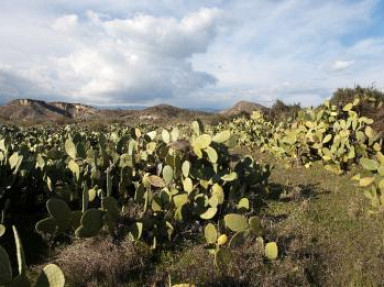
75,110
28,109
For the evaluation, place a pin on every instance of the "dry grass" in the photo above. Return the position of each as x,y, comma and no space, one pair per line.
326,227
248,268
101,262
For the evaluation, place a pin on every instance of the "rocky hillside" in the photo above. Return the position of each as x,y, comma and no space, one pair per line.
75,111
41,111
34,110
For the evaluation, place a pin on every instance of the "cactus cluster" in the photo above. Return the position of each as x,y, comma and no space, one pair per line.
335,135
178,177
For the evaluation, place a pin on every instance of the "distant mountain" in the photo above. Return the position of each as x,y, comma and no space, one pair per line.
242,107
27,109
207,110
40,111
122,107
35,110
167,111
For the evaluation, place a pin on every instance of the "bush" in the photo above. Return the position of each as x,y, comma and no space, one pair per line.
281,110
370,100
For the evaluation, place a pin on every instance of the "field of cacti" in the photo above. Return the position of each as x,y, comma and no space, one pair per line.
194,204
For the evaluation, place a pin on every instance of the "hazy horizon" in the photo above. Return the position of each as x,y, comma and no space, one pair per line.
200,54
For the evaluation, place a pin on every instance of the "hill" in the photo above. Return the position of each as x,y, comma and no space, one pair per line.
35,110
242,107
39,111
169,112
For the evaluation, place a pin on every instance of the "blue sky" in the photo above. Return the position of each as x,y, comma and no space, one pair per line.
189,53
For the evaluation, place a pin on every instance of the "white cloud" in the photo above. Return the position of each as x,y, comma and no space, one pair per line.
137,59
65,23
299,42
142,58
179,52
340,65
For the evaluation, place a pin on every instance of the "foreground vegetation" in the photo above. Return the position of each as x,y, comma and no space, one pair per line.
245,202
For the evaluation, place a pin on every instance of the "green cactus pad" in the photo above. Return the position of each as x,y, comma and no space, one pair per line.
60,211
188,185
156,181
222,137
369,132
271,250
91,223
369,164
110,205
47,226
81,151
74,168
180,199
218,192
166,136
230,177
179,214
366,181
213,201
209,214
126,160
210,233
212,154
40,162
52,276
150,147
2,230
168,174
236,222
5,268
327,139
21,281
243,204
348,107
197,127
70,149
202,142
157,203
92,193
22,265
222,239
174,134
185,168
198,152
15,161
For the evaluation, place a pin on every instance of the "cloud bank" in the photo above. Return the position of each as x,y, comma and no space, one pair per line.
188,53
125,60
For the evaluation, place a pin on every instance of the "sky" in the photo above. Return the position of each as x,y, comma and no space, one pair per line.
191,54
